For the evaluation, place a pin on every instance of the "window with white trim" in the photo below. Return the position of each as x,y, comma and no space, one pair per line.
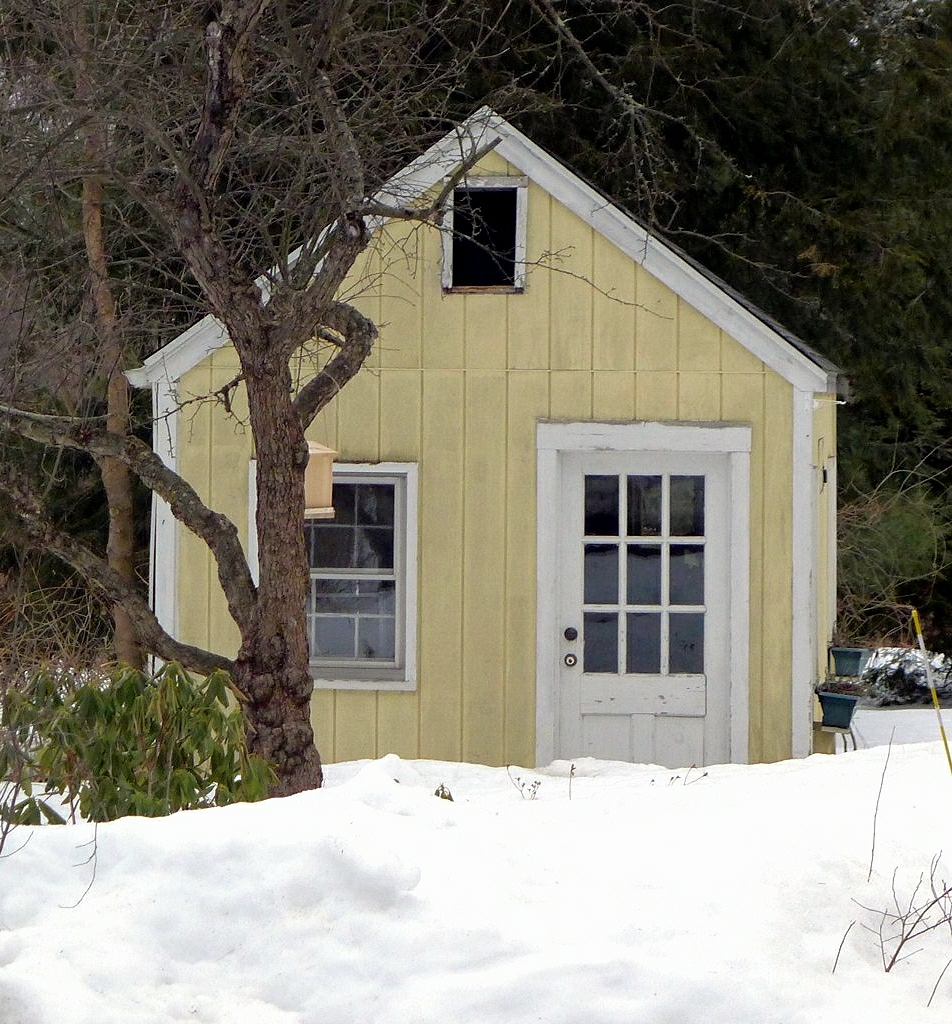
484,237
361,608
361,611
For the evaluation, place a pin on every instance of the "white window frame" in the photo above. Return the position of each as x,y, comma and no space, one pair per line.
484,183
403,676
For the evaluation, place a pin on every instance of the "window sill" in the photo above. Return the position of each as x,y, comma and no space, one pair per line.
487,289
362,679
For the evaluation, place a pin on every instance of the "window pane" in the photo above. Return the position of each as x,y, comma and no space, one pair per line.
644,642
644,506
333,636
687,574
601,574
601,642
352,597
352,616
375,638
374,504
345,497
601,506
333,596
686,642
644,574
687,506
360,536
332,546
374,548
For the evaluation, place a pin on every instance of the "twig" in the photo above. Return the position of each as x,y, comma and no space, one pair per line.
840,949
935,987
93,857
882,779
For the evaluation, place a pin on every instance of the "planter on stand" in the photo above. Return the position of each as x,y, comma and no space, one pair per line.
850,661
837,709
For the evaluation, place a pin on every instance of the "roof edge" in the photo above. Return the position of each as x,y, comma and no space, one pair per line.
782,351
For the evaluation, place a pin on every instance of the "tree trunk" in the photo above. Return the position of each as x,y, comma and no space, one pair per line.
116,478
272,668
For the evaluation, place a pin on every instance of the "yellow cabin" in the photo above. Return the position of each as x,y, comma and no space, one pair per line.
583,496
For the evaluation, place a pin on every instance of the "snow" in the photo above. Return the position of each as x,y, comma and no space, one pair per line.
618,894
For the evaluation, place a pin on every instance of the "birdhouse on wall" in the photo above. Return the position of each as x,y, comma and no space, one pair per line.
319,482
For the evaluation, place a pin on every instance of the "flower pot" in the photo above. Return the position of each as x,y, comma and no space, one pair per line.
850,661
837,709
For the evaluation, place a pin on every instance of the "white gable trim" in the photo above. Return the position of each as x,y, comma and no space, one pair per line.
662,262
174,360
484,131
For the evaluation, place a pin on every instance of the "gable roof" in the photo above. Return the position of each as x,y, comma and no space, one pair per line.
485,130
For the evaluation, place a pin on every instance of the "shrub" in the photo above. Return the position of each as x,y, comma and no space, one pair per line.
124,742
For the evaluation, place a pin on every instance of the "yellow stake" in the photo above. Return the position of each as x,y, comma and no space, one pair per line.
935,696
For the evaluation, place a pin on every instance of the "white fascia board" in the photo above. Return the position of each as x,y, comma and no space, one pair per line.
662,262
175,359
483,131
477,134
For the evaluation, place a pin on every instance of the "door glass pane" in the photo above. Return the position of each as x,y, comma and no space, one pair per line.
687,506
601,642
686,642
687,574
601,506
644,506
644,642
644,574
601,574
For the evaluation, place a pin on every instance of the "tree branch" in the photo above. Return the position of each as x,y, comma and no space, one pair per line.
28,517
359,335
215,529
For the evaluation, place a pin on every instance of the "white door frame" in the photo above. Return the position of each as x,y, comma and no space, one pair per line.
552,439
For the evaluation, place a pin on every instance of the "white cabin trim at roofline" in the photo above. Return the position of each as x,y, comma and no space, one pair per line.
484,131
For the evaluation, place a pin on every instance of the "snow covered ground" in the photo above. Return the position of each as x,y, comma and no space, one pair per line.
617,894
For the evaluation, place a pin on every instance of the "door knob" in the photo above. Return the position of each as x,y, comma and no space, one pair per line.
571,633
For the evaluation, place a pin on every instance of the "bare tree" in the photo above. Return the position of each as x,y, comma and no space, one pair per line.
209,150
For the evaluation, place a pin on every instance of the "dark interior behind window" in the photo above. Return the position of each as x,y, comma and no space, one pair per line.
484,238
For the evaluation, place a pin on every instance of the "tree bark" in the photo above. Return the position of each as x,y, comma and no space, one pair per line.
116,478
272,668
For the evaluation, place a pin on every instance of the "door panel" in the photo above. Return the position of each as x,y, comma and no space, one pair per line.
644,582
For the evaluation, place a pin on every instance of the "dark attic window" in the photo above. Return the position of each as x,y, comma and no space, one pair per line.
484,248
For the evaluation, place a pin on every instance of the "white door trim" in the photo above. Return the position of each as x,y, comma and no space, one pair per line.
552,439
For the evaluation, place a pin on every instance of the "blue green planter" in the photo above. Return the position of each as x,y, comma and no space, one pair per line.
850,661
837,709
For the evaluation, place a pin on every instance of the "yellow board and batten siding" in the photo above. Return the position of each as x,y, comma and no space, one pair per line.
457,385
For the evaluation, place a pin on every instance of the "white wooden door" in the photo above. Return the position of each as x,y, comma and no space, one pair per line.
644,601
